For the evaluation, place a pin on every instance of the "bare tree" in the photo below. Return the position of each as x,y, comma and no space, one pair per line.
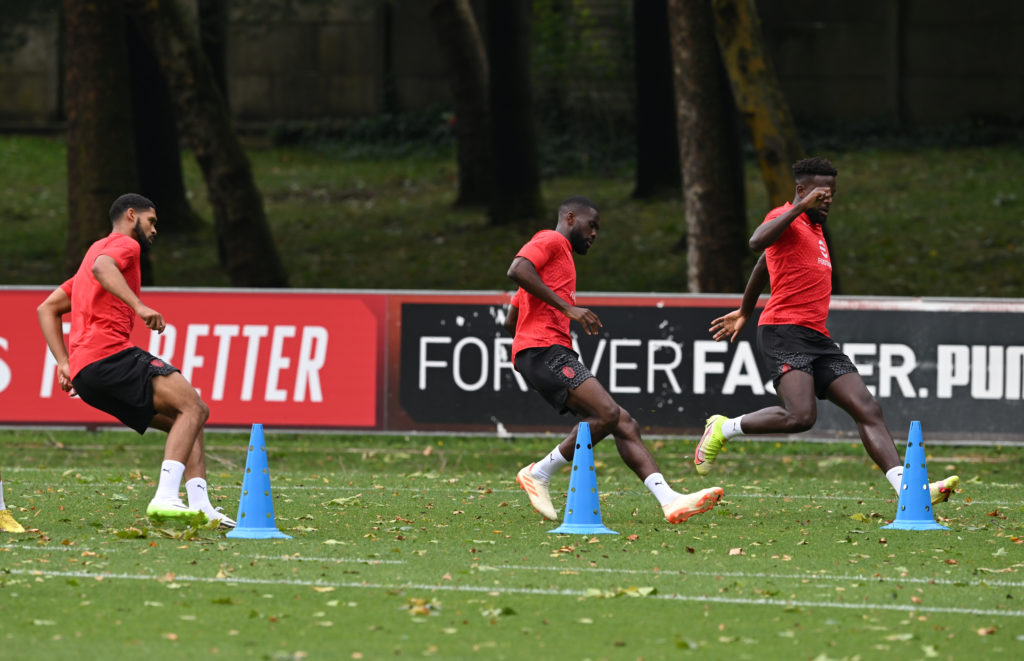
516,175
463,51
709,152
759,97
246,245
657,145
101,151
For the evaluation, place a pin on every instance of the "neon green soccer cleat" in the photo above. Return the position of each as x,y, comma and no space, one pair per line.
942,489
172,508
711,443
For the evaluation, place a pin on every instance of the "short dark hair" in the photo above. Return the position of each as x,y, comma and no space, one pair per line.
575,204
811,167
129,201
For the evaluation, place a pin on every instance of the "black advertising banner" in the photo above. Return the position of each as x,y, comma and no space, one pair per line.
957,366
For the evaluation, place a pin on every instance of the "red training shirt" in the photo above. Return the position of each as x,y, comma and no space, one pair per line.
100,322
801,275
539,324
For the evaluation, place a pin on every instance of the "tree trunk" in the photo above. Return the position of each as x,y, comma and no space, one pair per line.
657,144
246,245
463,51
709,151
759,97
213,37
755,86
100,151
157,142
515,192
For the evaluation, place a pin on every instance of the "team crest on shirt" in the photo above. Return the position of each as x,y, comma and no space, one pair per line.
568,372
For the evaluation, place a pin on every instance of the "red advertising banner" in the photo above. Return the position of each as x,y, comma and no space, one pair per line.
284,358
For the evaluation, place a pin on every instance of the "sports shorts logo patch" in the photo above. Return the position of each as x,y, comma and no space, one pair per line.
786,367
568,372
156,362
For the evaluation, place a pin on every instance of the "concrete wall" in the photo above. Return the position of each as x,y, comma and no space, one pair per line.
918,62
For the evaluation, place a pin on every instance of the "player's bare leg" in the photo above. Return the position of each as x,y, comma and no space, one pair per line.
599,410
181,411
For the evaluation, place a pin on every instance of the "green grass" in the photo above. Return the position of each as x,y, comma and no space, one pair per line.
910,222
425,547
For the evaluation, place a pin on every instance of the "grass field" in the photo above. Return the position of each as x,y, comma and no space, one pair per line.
425,547
924,221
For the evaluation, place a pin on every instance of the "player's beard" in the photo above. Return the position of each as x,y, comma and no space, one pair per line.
816,217
140,236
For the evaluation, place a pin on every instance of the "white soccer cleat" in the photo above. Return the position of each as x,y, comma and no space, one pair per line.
537,490
690,504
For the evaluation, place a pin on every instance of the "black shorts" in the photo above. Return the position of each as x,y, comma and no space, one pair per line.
122,385
552,371
790,347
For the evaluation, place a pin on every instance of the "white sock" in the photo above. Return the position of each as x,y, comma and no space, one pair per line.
170,479
658,485
895,477
545,468
2,506
198,499
731,428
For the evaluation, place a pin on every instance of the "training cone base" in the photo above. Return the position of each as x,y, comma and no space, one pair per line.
583,507
256,506
914,510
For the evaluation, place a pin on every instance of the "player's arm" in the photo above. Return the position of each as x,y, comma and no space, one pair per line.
730,325
523,273
110,278
768,232
511,319
50,312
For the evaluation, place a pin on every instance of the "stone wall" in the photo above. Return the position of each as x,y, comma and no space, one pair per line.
916,62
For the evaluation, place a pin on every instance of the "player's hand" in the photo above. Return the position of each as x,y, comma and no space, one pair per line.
64,378
728,326
153,319
586,318
817,199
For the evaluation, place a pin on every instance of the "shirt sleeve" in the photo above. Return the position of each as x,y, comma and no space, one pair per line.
537,250
67,286
124,251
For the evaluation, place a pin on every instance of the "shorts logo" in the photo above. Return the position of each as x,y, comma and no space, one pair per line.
786,367
156,362
568,372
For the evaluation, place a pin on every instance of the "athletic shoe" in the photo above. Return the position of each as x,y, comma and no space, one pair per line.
219,519
710,445
942,489
170,508
7,522
689,504
538,493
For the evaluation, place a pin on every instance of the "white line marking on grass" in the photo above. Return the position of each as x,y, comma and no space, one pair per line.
290,558
527,591
740,574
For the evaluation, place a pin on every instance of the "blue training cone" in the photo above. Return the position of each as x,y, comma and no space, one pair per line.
914,510
256,506
582,508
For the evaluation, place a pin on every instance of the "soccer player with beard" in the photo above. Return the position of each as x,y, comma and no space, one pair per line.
112,375
794,344
542,352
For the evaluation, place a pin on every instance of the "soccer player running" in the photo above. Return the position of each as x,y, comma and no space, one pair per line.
542,353
7,521
795,347
112,375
